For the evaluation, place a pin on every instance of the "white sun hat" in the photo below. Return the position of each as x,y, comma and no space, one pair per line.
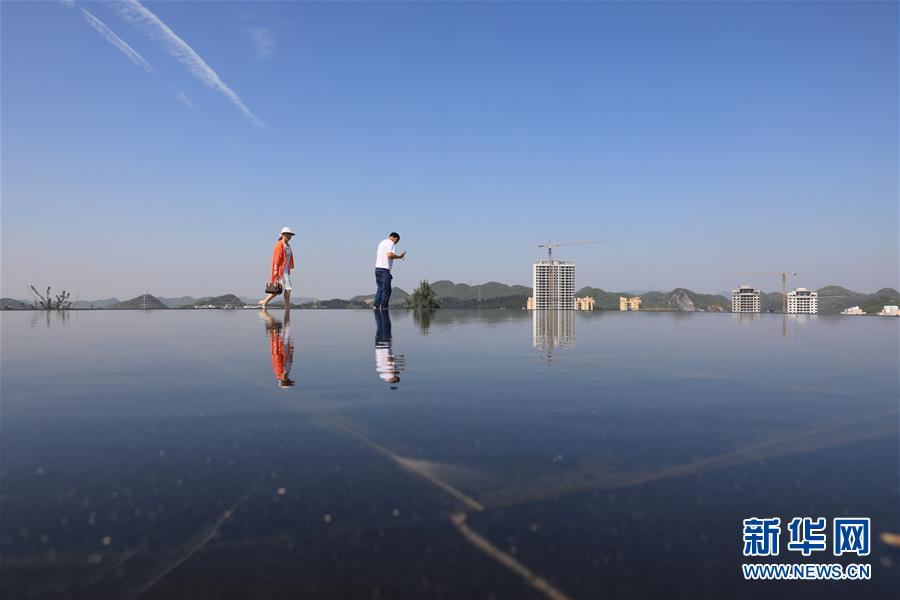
287,230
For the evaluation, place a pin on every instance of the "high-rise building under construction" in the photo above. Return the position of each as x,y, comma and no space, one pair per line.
554,285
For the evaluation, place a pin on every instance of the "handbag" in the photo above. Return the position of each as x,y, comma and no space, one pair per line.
274,288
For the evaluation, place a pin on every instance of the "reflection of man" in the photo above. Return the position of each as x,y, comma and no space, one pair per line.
281,344
387,365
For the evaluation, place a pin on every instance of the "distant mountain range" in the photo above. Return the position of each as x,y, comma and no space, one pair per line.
103,303
832,299
224,301
679,299
229,299
484,291
13,304
144,302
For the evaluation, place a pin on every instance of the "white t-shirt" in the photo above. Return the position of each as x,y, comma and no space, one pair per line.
384,363
381,256
288,253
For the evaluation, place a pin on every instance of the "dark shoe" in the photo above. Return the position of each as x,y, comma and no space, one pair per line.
375,307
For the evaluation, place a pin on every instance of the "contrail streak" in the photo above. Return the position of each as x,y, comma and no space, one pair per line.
115,40
182,97
136,13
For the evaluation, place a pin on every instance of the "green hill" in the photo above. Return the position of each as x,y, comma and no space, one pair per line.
339,303
877,301
887,292
684,300
484,291
452,295
179,302
769,302
13,304
95,304
144,301
225,301
398,299
679,299
709,302
604,300
834,298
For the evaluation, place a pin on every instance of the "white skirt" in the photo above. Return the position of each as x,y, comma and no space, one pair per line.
285,281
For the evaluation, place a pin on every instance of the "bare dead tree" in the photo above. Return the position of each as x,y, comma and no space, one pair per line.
48,301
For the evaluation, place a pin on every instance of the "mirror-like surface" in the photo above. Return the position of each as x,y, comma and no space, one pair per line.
231,454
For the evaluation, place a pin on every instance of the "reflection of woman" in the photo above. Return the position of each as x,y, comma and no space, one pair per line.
282,264
281,344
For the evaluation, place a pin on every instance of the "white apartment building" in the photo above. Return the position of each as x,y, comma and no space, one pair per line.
585,303
802,301
629,303
554,285
853,310
745,299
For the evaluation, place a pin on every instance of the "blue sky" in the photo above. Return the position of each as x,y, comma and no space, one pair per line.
699,139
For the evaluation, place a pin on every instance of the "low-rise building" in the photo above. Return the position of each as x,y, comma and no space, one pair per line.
802,301
529,304
890,310
629,303
853,310
745,299
585,303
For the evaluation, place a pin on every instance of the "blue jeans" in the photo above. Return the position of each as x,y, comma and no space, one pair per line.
383,281
382,329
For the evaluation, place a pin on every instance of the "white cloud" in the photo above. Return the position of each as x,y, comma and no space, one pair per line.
182,97
134,12
115,40
68,3
263,41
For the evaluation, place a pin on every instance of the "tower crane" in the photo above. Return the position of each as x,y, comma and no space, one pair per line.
784,276
550,246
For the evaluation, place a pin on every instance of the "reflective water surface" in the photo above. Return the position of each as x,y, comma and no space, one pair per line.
505,454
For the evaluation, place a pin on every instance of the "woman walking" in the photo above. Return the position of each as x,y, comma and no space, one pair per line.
282,264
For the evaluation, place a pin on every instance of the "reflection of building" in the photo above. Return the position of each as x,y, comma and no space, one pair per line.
745,299
629,303
553,329
889,311
554,285
745,318
853,310
802,302
585,303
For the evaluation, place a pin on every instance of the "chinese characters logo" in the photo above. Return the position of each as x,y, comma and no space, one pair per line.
807,535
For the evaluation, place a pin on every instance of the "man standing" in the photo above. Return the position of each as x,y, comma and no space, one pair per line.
384,260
